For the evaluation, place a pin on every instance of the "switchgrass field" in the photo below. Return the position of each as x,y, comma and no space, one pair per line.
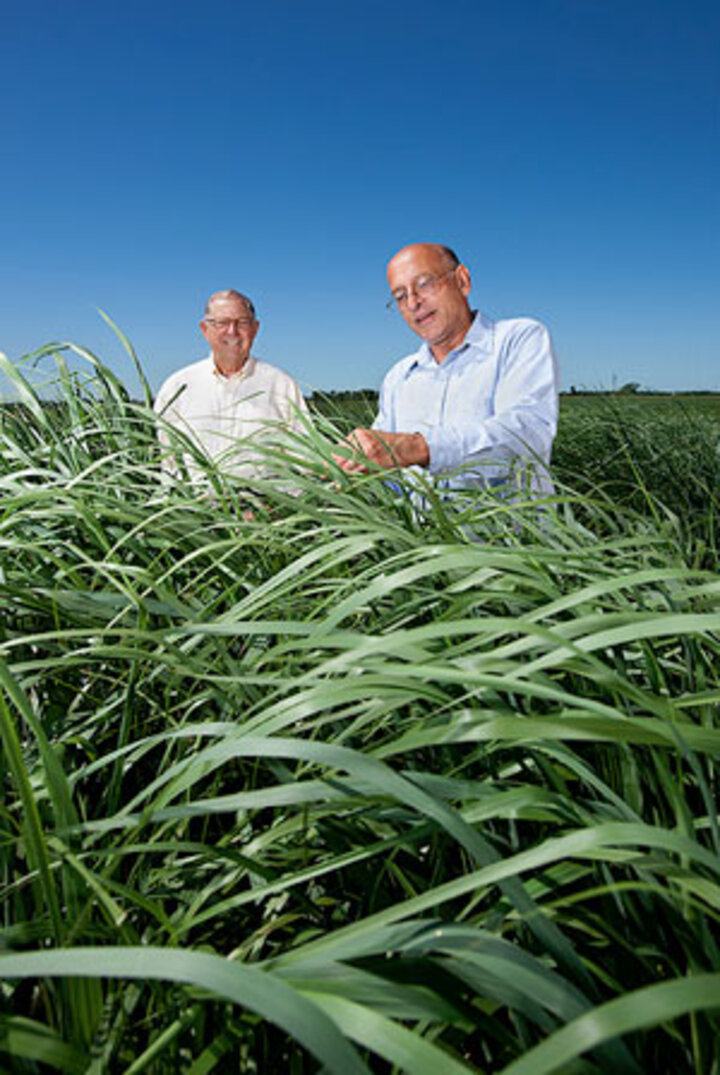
356,785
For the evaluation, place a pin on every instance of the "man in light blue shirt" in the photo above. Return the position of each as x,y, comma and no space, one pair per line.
477,404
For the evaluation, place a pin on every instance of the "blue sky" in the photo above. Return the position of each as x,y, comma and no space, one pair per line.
569,150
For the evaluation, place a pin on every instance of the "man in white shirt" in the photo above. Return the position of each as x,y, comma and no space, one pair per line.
230,401
477,404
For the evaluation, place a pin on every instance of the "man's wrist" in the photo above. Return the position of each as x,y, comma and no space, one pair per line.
420,451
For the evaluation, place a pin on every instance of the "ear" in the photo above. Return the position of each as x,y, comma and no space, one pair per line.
254,330
462,275
203,329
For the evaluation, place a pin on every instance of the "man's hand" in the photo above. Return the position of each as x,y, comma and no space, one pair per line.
385,450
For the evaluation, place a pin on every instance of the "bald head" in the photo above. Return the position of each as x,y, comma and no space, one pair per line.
430,288
443,254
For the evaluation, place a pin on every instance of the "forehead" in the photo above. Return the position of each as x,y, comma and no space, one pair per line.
228,307
415,261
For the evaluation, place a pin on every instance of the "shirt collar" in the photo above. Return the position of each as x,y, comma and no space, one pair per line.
480,335
246,371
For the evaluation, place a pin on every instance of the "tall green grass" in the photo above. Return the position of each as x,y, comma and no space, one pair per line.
350,786
659,456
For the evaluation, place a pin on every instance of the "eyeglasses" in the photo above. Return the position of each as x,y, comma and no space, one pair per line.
427,284
223,323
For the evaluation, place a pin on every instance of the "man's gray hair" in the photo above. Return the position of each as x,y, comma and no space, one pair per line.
451,256
230,293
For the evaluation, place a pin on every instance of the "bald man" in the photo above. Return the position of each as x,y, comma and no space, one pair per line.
476,405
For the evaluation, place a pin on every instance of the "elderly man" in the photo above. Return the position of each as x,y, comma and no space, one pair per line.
230,401
477,404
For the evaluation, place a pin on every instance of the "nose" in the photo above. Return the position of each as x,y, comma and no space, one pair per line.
414,297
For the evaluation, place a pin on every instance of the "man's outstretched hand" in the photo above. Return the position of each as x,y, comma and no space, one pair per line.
387,450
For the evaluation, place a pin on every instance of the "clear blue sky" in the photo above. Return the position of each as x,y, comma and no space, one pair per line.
569,150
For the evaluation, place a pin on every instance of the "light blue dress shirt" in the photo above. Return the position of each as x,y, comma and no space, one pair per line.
488,411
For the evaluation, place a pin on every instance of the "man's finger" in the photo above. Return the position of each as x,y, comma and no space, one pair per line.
348,465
